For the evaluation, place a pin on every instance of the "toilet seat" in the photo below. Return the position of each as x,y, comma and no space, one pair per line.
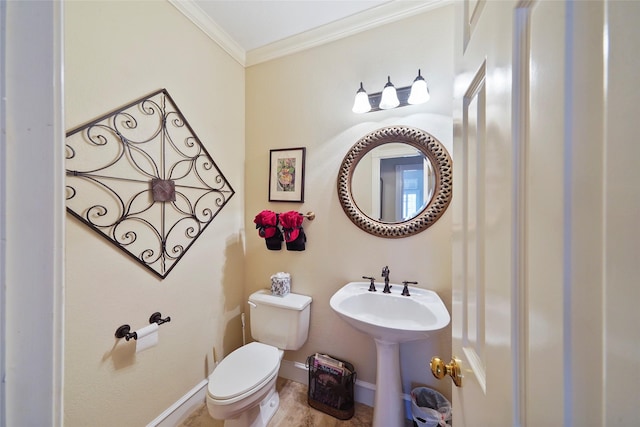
242,371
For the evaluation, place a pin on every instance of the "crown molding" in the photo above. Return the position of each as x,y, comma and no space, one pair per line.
363,21
371,18
195,14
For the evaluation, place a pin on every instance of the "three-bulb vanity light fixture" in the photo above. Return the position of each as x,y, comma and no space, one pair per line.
390,97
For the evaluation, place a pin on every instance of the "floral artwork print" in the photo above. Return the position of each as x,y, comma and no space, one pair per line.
286,174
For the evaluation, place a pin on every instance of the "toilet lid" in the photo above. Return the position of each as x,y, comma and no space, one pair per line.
243,369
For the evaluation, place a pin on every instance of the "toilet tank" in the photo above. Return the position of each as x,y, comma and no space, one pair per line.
280,321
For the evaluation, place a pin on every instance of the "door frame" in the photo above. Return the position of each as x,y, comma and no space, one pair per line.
32,213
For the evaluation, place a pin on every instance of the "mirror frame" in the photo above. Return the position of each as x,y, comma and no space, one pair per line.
442,192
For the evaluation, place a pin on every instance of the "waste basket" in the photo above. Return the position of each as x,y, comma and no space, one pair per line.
430,408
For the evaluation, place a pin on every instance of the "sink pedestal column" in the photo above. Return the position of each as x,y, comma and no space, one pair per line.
389,405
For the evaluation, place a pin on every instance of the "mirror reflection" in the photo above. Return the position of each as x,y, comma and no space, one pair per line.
393,182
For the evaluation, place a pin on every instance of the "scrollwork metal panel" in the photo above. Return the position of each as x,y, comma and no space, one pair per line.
141,178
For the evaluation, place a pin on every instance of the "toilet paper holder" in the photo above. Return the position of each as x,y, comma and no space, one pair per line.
124,331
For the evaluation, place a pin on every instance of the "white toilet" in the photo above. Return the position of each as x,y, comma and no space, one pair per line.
242,388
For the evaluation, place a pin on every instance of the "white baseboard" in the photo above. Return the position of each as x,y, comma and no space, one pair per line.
364,392
181,409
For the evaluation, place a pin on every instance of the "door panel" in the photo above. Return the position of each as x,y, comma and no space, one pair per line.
473,306
483,215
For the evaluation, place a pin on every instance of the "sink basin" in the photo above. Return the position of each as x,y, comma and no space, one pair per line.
390,317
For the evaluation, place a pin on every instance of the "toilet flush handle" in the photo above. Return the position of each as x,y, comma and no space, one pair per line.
252,304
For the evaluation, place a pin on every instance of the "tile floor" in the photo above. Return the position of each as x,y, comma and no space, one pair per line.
294,412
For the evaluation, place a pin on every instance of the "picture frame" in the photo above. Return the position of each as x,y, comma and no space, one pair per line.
286,174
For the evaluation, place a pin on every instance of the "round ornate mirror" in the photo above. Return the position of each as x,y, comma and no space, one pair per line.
395,182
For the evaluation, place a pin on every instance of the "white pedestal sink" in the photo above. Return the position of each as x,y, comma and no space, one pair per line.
390,319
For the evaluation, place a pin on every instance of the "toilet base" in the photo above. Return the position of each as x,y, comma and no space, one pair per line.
259,415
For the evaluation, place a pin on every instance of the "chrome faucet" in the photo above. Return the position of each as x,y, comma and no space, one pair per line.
385,274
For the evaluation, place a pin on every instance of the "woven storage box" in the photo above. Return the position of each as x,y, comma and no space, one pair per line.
330,388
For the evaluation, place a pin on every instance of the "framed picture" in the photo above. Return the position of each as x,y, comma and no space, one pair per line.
286,175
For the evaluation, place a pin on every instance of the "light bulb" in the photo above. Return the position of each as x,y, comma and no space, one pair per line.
419,91
361,103
389,96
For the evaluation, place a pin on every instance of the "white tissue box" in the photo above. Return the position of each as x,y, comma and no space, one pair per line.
280,284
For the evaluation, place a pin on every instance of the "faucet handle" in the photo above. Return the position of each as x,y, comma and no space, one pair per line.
405,290
372,286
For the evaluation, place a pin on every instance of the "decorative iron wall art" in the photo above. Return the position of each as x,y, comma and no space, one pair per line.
141,178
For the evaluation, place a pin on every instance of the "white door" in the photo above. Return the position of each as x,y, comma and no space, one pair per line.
483,263
508,92
538,154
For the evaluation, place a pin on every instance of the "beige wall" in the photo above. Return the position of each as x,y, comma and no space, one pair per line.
305,100
301,100
116,52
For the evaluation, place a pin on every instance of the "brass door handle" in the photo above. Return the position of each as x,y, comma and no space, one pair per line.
439,369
